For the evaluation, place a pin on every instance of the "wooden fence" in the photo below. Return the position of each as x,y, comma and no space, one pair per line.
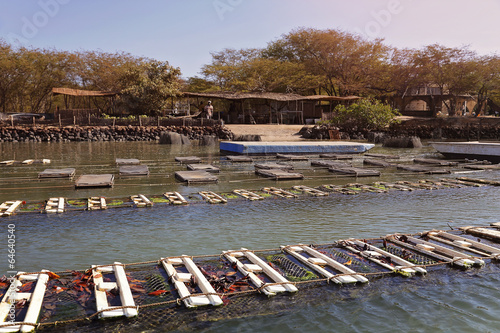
95,120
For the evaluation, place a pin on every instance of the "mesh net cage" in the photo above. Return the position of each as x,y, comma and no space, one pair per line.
70,300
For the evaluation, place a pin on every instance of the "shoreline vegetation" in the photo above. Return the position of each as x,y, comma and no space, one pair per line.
456,128
305,61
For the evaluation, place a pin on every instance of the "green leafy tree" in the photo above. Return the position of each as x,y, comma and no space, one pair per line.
149,86
346,63
364,114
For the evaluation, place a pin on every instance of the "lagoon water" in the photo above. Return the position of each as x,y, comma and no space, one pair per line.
448,300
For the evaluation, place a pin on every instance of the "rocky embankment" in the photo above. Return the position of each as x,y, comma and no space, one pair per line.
459,128
107,133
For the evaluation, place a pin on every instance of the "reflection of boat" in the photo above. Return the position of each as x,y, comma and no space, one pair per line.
472,150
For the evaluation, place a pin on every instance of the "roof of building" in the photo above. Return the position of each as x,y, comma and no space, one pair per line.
268,95
79,92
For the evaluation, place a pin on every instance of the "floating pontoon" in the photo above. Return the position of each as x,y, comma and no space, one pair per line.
196,177
57,173
104,180
134,170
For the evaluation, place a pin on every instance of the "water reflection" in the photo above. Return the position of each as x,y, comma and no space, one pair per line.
76,240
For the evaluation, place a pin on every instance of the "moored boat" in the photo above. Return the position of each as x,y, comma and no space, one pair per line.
471,150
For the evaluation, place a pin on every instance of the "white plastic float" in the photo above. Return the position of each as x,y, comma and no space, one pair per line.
175,198
212,197
258,265
9,207
318,261
464,243
180,279
248,195
310,191
140,200
54,205
377,255
96,203
100,288
279,192
437,251
32,300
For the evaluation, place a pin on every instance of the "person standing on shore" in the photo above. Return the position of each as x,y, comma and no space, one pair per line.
209,110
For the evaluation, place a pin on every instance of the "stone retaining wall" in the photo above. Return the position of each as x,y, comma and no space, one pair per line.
107,133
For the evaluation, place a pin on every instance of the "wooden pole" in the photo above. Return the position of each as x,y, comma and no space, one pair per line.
59,120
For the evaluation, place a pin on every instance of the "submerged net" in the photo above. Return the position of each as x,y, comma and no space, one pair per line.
69,304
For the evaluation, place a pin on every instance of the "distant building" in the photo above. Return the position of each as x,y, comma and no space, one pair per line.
428,101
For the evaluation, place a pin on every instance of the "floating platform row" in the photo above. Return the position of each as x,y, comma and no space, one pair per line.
60,204
125,290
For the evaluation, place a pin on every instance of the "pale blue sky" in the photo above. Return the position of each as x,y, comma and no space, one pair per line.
184,32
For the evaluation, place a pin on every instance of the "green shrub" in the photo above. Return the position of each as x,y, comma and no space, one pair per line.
364,114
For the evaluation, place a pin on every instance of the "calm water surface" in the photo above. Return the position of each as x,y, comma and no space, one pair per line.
445,301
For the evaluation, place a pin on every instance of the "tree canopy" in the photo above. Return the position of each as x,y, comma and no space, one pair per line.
27,77
304,61
340,63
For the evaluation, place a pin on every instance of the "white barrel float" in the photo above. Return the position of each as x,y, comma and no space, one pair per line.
54,205
259,265
100,288
33,301
318,261
180,279
9,207
175,198
377,255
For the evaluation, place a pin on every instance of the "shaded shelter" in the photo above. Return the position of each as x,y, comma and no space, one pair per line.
86,100
269,107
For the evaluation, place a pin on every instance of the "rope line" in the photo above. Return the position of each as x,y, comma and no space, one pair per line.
259,289
177,301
